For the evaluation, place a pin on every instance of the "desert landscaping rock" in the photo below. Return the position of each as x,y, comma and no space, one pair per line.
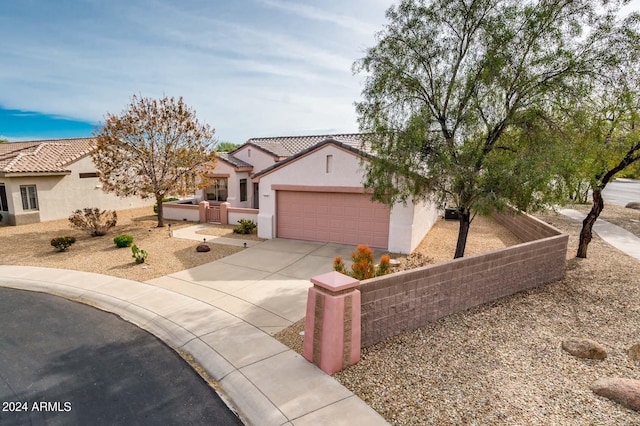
203,248
634,352
633,205
584,348
622,391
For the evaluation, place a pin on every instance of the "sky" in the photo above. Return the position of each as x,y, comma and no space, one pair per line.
249,68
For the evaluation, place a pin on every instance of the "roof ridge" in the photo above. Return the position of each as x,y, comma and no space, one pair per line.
325,135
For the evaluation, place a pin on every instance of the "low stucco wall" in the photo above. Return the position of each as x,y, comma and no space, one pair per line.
235,214
175,211
408,300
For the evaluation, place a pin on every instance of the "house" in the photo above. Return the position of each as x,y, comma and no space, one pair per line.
310,188
49,179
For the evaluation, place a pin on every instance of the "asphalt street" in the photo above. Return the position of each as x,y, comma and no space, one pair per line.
622,191
65,363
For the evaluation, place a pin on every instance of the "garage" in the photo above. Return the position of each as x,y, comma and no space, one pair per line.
334,217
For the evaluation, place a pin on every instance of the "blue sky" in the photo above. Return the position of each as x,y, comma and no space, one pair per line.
250,68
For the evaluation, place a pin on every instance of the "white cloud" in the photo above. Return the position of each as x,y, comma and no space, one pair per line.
249,69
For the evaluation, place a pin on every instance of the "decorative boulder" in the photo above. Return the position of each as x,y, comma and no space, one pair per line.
634,352
584,348
202,248
622,391
633,205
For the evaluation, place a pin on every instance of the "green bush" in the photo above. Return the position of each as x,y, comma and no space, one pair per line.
245,227
62,243
123,240
164,200
138,254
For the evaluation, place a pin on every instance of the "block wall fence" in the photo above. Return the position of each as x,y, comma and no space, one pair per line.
407,300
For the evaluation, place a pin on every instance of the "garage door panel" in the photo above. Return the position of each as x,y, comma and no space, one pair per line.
344,218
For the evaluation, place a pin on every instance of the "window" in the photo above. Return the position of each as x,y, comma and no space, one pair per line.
29,197
249,152
218,191
4,206
243,190
329,163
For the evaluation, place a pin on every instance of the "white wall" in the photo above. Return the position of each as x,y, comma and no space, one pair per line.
175,211
407,226
234,217
259,159
309,170
59,196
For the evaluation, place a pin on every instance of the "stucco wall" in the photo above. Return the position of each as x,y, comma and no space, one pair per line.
309,170
233,196
59,196
175,211
259,159
234,215
408,224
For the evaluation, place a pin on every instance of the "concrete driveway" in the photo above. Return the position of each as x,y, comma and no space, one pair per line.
265,285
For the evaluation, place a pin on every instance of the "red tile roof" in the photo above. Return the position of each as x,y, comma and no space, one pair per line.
44,156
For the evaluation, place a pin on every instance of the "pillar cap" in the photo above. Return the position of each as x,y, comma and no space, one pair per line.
335,281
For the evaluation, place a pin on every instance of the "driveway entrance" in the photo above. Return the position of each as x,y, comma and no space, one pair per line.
265,285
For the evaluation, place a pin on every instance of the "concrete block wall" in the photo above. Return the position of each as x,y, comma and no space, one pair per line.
408,300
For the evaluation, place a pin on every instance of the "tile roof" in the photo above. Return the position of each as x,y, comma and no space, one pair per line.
235,162
286,146
349,146
43,156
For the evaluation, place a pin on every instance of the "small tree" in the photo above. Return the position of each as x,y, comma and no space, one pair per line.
153,148
226,146
613,120
451,82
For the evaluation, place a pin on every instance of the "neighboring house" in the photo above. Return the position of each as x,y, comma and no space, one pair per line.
310,188
49,179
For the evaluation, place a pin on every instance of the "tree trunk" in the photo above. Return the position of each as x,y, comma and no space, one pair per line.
632,155
160,211
465,216
587,223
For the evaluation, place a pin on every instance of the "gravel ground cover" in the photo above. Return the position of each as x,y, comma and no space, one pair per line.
628,219
30,245
502,363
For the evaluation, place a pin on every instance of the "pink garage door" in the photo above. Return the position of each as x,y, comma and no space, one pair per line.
332,217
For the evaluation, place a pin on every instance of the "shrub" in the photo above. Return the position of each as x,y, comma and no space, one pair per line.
138,254
93,221
245,227
164,200
363,267
62,243
123,240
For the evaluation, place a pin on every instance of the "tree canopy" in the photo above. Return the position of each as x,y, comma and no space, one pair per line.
154,148
458,92
226,146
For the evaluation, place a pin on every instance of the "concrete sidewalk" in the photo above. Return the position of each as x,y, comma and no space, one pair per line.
618,237
223,314
191,233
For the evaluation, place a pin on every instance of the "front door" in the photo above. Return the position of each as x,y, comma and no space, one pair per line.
256,196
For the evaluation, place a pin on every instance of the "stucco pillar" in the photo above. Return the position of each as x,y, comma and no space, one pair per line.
224,213
332,326
202,211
